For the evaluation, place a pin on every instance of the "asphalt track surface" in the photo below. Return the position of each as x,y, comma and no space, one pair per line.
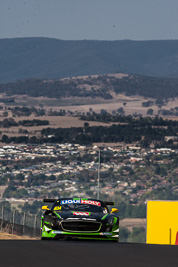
37,253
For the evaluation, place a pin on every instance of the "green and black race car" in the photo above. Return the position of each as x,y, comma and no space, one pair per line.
79,218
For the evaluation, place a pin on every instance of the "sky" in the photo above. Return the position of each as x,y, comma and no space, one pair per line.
90,19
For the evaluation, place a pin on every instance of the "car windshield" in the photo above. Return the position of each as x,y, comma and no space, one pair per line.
80,208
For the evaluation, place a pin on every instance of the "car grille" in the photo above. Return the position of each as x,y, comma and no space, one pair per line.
80,226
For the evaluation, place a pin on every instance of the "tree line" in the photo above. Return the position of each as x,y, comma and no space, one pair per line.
144,131
9,122
101,86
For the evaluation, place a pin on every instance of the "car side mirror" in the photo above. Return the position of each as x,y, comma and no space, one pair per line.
114,210
45,208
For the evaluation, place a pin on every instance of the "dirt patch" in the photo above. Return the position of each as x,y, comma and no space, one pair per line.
54,122
118,75
5,236
130,104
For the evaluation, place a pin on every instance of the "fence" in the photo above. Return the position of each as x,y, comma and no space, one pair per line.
16,223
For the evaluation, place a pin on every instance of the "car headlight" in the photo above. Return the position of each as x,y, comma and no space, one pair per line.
111,221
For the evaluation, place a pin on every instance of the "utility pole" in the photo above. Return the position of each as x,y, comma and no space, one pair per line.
2,218
13,221
35,224
24,222
98,193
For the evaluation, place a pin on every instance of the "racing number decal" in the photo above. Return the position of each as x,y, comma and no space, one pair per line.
57,208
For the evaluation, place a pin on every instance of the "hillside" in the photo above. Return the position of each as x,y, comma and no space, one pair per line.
95,87
22,58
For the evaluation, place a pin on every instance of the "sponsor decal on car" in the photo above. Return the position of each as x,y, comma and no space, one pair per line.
91,202
70,201
57,208
57,232
81,213
105,233
80,201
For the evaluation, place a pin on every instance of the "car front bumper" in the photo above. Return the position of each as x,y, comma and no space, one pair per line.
55,234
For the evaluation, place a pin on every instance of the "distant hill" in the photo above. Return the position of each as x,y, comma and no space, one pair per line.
22,58
96,86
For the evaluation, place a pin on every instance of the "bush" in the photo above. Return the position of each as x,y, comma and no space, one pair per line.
138,235
123,234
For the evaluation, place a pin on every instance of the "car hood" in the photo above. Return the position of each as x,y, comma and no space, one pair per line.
89,216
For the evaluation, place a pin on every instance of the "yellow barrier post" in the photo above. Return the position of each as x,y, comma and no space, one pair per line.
162,222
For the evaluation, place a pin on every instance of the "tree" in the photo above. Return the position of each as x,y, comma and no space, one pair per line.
138,235
157,170
4,138
20,176
121,111
86,124
163,171
150,111
124,234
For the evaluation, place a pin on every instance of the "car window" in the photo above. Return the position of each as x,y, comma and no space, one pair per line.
79,207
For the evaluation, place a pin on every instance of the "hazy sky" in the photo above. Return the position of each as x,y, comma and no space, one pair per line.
90,19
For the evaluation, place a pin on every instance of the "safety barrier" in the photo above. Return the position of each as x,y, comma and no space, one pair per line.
16,223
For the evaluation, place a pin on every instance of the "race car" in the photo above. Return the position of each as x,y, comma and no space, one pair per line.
79,218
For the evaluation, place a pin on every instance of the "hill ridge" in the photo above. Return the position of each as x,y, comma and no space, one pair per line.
95,86
50,58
